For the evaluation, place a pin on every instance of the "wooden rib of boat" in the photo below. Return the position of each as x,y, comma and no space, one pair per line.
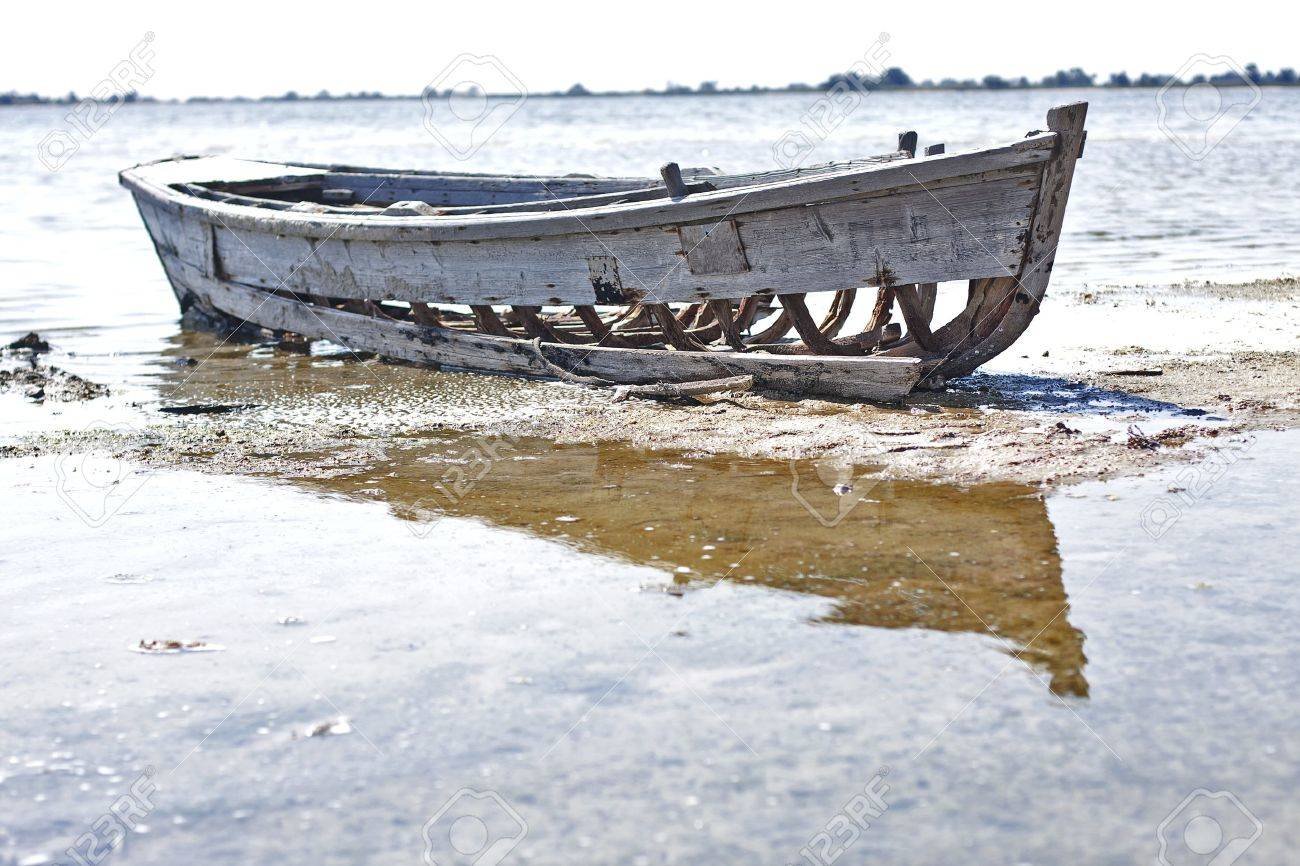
692,276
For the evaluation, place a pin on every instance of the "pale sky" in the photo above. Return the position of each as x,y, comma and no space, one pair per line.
238,48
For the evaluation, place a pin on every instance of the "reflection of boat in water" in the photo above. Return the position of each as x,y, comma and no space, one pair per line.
907,555
981,560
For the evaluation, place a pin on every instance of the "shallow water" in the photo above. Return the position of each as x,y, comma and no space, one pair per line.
648,657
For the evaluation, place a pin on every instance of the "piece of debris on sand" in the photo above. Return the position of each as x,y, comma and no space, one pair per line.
1133,372
328,728
42,382
165,647
1174,437
32,342
206,408
1138,439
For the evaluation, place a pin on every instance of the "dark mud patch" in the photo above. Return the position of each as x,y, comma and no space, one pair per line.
42,382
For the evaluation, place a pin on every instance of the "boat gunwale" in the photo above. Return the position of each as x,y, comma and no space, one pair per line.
603,190
701,207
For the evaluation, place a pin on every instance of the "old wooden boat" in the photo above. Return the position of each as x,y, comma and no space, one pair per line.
693,276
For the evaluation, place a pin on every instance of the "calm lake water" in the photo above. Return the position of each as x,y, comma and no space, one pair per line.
648,657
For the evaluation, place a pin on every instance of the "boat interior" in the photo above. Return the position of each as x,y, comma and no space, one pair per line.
345,189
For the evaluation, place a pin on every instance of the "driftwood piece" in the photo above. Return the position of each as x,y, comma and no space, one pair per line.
567,375
656,390
665,391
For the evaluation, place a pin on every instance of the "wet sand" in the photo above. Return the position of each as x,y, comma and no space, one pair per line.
1091,406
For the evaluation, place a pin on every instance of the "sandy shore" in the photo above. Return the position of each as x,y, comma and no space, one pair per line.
1078,398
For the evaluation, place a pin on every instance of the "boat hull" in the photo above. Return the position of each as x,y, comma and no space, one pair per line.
372,277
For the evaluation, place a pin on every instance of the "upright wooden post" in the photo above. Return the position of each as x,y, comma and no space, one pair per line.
671,172
907,143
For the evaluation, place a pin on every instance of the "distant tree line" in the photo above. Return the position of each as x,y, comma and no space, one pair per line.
294,96
892,78
13,97
895,78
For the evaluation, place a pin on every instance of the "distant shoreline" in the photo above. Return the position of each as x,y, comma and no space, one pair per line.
612,94
893,79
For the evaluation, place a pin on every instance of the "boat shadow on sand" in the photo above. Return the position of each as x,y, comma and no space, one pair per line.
1032,393
886,554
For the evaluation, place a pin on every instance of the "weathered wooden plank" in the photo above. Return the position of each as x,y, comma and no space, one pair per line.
713,249
951,232
863,378
187,238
